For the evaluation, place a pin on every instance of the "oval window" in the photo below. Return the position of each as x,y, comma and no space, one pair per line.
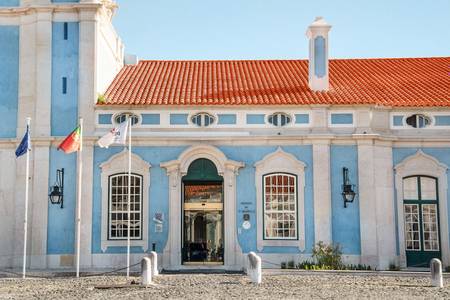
418,121
202,119
279,119
122,117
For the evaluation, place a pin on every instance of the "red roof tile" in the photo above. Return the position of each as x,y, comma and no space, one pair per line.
384,82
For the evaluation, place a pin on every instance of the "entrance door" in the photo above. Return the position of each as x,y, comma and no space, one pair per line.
203,242
421,214
203,219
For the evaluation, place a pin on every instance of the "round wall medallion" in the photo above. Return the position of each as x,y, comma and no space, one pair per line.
246,225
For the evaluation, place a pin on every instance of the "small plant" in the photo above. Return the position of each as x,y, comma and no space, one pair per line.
393,267
447,269
283,265
291,264
101,99
328,255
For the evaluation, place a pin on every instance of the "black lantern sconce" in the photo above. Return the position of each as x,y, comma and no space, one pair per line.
348,192
56,195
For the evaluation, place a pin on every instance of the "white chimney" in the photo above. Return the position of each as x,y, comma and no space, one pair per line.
318,54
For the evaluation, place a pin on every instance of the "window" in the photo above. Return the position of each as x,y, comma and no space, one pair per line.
280,206
120,118
114,209
418,121
118,207
202,119
64,85
279,119
66,31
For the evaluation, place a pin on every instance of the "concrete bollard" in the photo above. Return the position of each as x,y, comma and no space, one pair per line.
146,272
254,268
154,258
436,273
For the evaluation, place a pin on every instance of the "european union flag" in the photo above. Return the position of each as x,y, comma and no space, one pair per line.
25,144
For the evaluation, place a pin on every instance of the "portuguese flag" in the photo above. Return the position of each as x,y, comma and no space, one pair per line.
72,142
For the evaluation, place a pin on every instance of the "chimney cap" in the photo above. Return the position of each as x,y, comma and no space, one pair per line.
318,24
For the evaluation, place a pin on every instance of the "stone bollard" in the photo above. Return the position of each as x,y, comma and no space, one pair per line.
146,272
436,273
154,258
254,268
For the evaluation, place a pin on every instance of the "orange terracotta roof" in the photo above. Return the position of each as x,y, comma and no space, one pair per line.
385,82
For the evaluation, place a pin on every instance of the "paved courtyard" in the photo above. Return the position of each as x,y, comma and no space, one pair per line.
221,286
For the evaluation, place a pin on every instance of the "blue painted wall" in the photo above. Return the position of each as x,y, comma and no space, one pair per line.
246,192
256,119
159,193
150,119
61,222
105,119
228,119
442,120
178,119
319,57
441,154
9,3
64,112
345,221
340,119
9,79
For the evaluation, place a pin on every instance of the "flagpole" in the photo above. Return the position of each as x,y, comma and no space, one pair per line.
78,218
25,222
129,196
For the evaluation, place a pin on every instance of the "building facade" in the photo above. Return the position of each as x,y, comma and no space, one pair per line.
228,157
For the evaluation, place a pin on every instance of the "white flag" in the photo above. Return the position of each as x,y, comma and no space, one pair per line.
117,135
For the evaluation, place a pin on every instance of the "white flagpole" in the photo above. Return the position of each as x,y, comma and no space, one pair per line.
129,197
80,176
25,222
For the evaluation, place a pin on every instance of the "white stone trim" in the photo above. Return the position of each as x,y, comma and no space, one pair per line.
322,191
423,164
119,164
280,162
176,169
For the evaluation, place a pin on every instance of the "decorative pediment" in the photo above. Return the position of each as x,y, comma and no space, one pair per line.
280,161
119,163
420,164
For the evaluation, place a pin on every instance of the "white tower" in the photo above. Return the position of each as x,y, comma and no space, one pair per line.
318,54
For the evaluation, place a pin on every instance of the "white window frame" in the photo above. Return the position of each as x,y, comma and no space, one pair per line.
202,115
280,162
125,202
118,164
278,116
295,237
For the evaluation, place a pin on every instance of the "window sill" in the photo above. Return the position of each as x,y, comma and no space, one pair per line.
280,243
123,243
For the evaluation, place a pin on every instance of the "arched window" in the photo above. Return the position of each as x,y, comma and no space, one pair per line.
202,119
418,121
279,119
280,206
122,117
118,207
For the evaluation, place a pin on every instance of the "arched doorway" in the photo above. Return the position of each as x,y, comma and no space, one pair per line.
202,234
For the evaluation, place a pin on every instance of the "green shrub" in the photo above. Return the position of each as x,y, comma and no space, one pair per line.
101,99
328,255
283,265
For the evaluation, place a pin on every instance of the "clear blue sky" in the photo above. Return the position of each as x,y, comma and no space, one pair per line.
260,29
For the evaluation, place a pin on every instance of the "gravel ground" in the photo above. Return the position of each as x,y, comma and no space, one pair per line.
221,286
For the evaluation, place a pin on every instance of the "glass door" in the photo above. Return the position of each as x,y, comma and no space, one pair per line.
421,214
202,224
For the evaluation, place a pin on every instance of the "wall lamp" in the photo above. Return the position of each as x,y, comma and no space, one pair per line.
348,192
56,195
